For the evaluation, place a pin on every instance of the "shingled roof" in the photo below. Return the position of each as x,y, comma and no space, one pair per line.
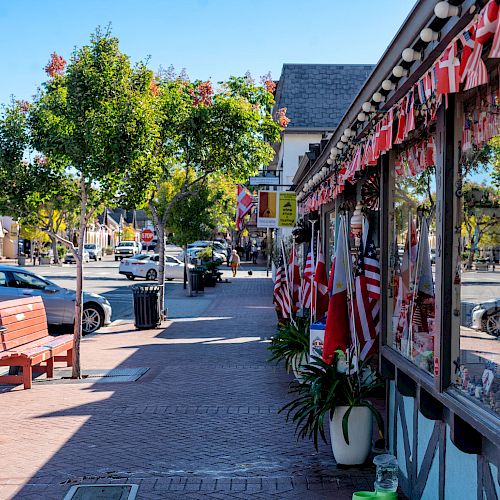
317,95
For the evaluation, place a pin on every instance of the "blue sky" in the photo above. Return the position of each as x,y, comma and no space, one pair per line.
210,38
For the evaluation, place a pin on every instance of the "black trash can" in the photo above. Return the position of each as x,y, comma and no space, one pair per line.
147,307
196,277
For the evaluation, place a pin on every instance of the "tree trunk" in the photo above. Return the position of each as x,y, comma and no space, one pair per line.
161,267
54,249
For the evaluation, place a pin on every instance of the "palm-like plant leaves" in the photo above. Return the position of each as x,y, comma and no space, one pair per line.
290,341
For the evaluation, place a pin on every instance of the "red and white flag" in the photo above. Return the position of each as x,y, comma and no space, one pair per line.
245,201
307,280
367,298
410,113
294,279
321,284
337,330
448,71
281,295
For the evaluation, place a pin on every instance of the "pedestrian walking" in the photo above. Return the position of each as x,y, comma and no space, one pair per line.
255,253
235,262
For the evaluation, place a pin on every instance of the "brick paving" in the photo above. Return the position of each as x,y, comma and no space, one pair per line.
203,422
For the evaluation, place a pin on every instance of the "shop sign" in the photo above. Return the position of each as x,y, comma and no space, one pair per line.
276,209
287,209
264,180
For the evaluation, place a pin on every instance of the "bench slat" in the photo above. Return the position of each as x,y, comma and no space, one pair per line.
11,322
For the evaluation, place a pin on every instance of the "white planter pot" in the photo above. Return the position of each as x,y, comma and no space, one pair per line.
360,435
297,362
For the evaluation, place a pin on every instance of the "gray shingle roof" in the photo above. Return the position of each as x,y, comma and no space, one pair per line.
318,95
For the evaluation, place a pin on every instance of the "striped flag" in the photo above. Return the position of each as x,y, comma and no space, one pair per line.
367,298
294,279
281,295
245,201
307,280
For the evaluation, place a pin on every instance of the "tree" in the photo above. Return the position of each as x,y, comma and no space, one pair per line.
207,134
93,123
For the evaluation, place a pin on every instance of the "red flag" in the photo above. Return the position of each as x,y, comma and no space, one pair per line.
321,282
448,71
390,121
307,280
466,38
410,113
487,24
400,134
337,330
245,201
294,279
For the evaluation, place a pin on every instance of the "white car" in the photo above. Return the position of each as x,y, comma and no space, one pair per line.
146,266
127,249
69,258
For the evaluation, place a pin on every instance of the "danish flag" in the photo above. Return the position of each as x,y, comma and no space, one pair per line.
245,201
448,71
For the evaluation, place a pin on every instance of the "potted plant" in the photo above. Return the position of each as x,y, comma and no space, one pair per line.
211,273
339,391
291,345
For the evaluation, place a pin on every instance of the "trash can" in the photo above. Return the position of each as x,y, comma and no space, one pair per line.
147,307
196,277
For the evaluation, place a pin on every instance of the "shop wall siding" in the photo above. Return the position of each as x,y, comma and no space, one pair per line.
496,479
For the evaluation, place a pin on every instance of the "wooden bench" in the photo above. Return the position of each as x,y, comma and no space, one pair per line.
25,341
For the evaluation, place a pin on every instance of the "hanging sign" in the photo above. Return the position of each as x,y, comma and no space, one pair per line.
276,209
264,180
268,208
287,209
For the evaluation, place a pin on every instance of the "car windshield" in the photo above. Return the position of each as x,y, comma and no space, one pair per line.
89,246
127,244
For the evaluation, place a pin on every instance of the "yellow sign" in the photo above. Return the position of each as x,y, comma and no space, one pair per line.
287,209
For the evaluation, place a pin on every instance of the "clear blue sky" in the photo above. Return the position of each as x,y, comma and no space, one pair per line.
210,38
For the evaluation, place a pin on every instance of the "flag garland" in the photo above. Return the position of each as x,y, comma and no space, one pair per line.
460,62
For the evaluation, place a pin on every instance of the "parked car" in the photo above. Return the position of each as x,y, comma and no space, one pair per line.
146,266
59,302
486,317
127,249
69,258
193,255
94,250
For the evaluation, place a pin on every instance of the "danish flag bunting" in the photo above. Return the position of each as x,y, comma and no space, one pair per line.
245,201
448,71
410,113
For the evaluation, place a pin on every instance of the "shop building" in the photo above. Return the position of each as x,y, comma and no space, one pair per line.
414,156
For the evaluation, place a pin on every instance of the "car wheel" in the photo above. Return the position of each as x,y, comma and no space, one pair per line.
169,279
92,320
131,278
492,324
151,275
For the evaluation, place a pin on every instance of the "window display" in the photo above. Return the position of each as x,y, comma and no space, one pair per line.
478,266
412,257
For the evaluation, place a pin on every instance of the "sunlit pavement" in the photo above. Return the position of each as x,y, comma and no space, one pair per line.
202,422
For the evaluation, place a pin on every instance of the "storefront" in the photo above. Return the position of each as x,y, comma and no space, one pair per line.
415,157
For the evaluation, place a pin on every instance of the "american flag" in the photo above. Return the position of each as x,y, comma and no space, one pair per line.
410,113
367,298
307,280
281,296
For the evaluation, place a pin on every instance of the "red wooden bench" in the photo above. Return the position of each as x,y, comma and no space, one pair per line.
25,341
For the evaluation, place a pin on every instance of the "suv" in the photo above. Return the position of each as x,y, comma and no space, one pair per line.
127,249
94,250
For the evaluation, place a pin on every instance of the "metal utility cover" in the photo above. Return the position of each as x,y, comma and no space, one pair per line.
102,492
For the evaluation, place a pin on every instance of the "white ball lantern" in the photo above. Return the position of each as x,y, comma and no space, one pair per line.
388,85
334,152
344,138
410,55
329,161
399,71
366,107
378,97
340,145
427,35
361,117
444,10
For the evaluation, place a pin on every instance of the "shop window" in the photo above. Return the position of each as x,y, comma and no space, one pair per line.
477,274
412,261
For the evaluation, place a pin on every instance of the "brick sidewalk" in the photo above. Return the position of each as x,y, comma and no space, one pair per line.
201,423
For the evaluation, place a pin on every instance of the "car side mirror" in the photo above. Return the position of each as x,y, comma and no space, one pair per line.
51,289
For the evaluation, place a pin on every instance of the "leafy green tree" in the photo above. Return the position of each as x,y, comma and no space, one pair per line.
205,135
93,121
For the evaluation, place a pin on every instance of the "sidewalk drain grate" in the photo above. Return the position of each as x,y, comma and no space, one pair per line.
102,492
102,376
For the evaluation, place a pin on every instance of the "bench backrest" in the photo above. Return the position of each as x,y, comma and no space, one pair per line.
25,321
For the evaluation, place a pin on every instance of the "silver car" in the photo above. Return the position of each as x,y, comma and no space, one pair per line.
16,283
486,317
94,250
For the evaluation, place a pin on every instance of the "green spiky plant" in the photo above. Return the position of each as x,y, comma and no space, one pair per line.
291,341
323,388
